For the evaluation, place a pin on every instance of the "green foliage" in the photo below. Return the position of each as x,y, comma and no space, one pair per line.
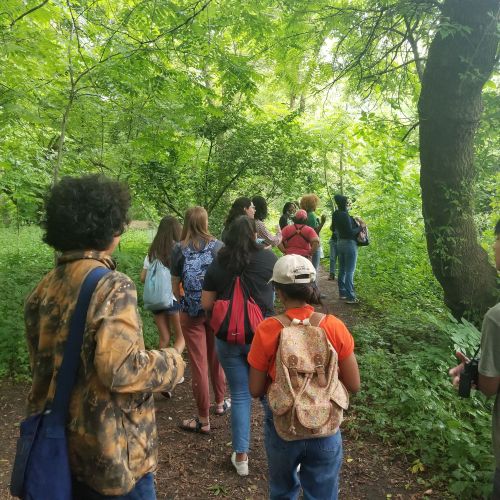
407,399
24,260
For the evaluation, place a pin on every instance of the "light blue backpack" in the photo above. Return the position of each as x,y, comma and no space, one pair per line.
158,287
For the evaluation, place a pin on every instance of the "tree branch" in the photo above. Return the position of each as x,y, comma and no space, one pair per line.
28,12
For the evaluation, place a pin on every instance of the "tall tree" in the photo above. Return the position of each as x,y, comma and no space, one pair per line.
461,58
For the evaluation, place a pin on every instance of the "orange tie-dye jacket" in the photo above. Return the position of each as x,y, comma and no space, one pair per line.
111,427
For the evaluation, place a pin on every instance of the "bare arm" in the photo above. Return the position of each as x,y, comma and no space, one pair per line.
176,287
314,245
488,385
349,373
257,382
143,275
207,300
262,232
321,224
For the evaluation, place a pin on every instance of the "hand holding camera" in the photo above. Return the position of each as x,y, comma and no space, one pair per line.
465,375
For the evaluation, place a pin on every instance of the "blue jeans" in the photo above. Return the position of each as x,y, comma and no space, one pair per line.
320,460
233,359
315,260
144,490
348,254
333,257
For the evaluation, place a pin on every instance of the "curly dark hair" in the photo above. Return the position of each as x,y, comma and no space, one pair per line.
85,213
240,243
237,209
260,207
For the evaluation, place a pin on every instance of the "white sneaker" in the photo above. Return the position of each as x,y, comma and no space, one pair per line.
241,467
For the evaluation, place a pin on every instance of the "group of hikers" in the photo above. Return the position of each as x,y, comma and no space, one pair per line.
90,431
301,364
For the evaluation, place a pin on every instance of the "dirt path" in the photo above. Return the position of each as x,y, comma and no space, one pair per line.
196,467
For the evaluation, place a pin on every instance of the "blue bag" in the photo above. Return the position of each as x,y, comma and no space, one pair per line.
158,287
195,266
41,467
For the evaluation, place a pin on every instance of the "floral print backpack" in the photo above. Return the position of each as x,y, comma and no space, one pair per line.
307,398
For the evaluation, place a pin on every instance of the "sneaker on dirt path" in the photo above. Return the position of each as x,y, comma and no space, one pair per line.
241,467
352,301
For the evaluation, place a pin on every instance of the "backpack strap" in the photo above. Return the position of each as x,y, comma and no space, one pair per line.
316,318
283,319
298,232
66,376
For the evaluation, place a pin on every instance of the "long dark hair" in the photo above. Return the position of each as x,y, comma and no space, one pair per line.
237,209
260,207
305,292
240,244
169,233
287,207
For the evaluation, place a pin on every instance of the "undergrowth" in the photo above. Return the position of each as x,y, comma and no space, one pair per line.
404,355
407,399
24,260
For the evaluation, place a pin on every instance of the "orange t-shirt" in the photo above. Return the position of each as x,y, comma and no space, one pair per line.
262,355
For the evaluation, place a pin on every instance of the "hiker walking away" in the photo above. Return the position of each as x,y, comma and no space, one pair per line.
190,260
111,427
299,239
487,377
240,206
263,233
347,230
286,218
241,257
309,203
169,232
333,252
323,355
166,318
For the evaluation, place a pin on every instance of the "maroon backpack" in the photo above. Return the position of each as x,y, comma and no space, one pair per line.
235,319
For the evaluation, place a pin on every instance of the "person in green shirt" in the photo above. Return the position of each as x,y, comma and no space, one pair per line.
489,367
309,203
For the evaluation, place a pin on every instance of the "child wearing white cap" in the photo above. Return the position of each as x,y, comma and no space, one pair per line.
319,458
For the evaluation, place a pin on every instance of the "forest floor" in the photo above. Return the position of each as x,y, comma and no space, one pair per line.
193,466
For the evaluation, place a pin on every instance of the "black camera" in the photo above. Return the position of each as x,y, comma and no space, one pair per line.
469,376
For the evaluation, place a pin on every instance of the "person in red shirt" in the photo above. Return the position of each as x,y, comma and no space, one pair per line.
320,458
299,238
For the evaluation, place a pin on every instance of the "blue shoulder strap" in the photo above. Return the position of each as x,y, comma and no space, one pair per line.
71,357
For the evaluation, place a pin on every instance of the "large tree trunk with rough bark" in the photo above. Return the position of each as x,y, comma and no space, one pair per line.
460,60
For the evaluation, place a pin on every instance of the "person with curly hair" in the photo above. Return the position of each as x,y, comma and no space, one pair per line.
113,391
240,206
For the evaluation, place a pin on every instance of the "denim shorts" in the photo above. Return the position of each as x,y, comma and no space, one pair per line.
173,309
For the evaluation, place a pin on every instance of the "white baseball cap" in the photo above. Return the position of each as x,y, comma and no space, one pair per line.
291,269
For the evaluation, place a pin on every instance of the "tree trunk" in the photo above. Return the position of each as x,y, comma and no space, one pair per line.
460,61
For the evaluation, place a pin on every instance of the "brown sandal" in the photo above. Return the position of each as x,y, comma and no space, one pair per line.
198,427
